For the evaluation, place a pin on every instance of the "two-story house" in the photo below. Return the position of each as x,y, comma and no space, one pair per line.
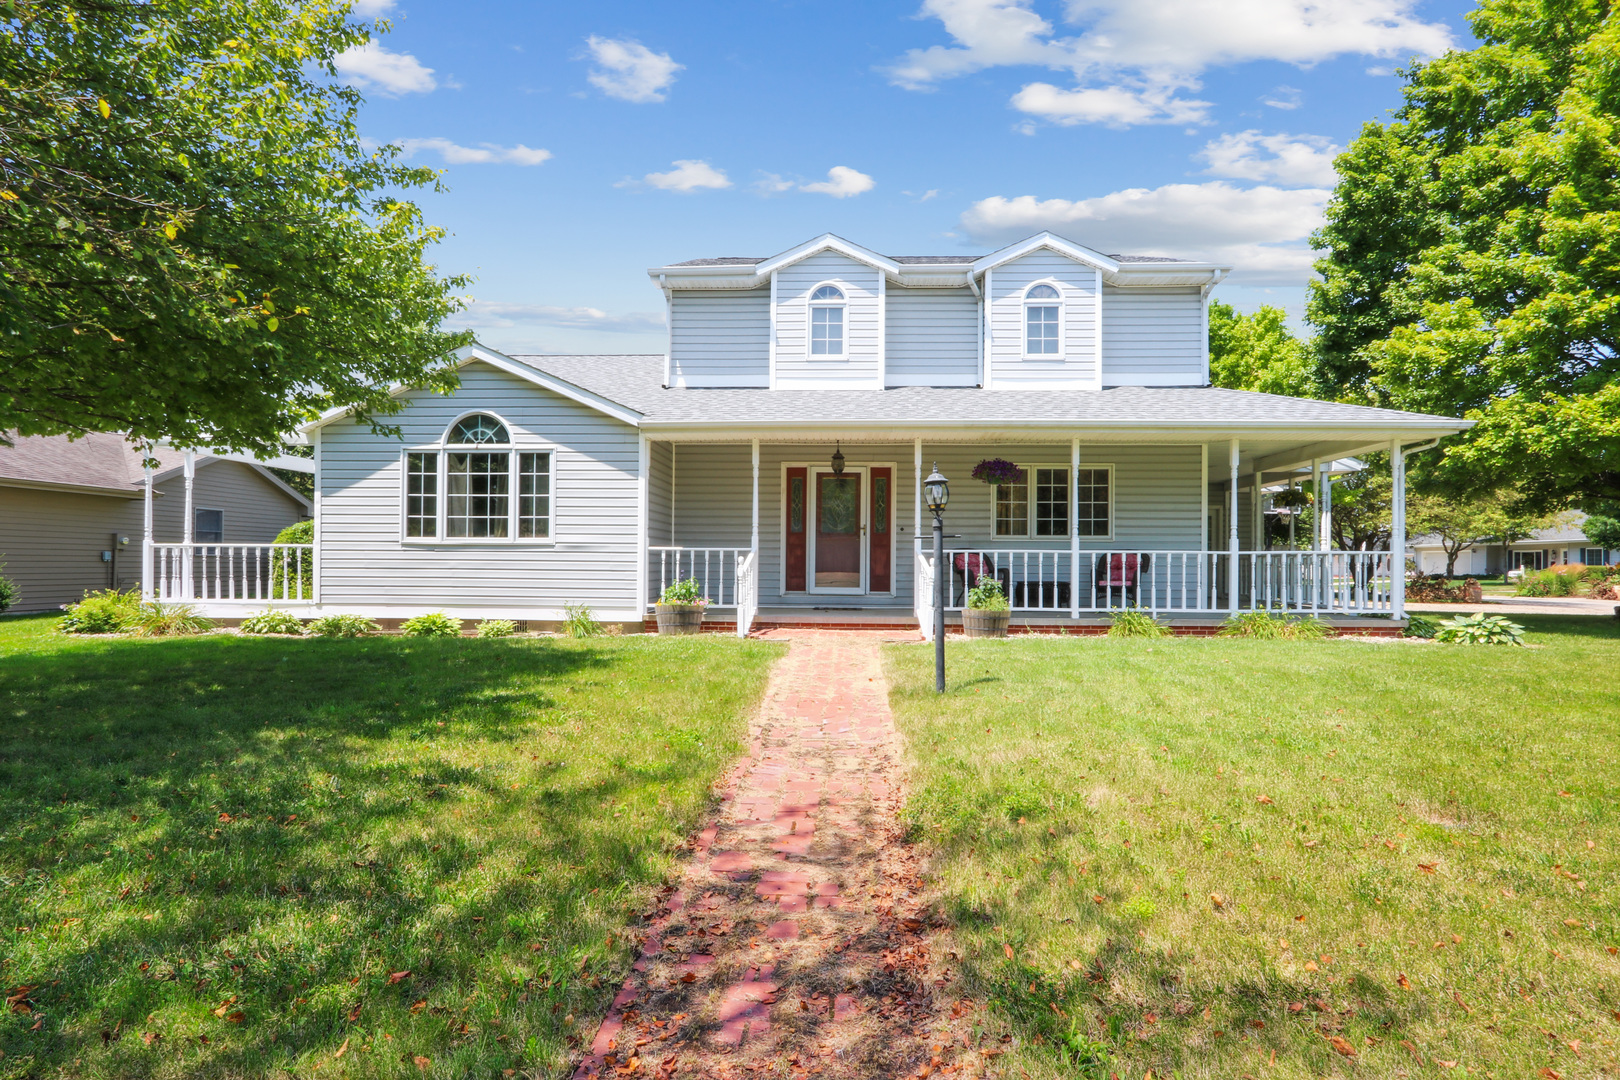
775,452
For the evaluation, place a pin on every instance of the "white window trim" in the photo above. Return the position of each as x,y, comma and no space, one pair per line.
516,444
1069,494
1061,303
809,330
195,510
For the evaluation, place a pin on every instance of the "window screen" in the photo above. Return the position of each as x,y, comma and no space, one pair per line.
208,526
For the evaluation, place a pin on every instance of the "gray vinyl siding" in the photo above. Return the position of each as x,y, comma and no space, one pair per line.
860,366
1153,337
1004,349
933,337
592,557
51,541
720,338
660,492
1158,503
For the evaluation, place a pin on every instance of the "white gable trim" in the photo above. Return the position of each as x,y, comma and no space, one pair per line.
828,242
1053,243
468,354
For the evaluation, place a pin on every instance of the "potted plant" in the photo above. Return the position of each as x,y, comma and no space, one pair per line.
987,612
680,608
997,471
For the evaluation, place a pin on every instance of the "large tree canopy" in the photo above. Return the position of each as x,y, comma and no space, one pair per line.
1258,352
194,243
1473,253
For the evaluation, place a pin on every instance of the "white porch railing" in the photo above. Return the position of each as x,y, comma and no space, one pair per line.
747,591
923,594
714,569
1052,581
269,572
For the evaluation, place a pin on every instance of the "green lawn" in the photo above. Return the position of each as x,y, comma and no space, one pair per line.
234,857
1212,858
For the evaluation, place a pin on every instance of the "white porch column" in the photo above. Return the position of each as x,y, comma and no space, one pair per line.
1232,537
315,525
753,535
1259,514
186,527
916,523
1397,532
1327,504
643,518
1074,515
1316,504
147,554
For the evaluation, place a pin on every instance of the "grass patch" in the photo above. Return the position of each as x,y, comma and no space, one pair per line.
218,855
1215,857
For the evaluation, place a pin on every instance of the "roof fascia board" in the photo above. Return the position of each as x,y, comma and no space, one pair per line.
1349,436
1023,247
828,242
70,489
286,489
468,354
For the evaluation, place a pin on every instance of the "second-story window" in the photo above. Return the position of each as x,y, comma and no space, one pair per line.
827,321
1043,322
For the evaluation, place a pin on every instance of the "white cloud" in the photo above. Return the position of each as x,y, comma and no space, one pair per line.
498,315
370,9
924,197
1263,232
482,154
630,71
1129,58
1282,97
370,66
842,182
772,184
1302,160
688,175
1116,106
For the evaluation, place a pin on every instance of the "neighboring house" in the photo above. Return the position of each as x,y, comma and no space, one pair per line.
71,514
1561,544
775,452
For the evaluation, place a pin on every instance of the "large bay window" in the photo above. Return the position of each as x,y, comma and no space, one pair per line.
463,490
1037,505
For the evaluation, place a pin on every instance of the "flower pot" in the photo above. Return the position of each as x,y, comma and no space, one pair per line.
976,623
680,618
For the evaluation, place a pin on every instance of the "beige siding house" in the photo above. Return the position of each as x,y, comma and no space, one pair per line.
71,510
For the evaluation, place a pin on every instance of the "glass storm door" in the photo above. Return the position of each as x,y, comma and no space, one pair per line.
839,530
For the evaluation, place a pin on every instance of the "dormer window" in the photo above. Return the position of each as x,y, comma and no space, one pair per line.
1043,321
827,321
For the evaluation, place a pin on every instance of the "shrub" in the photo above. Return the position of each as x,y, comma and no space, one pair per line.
272,622
1436,589
1268,627
167,620
342,626
1135,623
580,622
9,592
1554,581
1420,626
680,592
302,583
496,628
1480,629
106,612
433,624
987,596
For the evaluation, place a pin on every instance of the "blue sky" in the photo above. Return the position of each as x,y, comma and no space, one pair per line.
583,144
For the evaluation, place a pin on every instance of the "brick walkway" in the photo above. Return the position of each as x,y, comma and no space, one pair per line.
796,942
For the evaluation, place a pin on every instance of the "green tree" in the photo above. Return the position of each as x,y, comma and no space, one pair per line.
1603,531
194,243
1462,523
1257,352
1472,254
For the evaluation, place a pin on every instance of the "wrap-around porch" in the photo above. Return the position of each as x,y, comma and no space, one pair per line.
835,532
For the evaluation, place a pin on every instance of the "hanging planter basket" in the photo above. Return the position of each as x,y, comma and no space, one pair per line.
997,471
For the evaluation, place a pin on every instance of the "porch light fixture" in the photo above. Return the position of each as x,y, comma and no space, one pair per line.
936,493
837,460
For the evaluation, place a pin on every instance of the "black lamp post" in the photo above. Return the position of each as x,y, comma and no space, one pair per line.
936,493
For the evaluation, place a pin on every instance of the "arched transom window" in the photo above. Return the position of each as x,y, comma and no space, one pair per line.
491,490
1043,321
827,321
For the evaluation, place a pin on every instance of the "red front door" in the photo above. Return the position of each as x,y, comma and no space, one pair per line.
881,519
838,531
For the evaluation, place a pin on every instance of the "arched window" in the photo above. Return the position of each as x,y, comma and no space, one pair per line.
827,321
477,429
1043,321
478,471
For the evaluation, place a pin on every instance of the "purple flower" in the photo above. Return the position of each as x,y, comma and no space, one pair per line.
998,471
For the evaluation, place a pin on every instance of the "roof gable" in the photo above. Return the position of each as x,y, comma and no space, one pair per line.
828,242
1078,252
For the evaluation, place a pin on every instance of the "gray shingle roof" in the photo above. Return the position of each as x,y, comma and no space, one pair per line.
636,381
910,260
97,460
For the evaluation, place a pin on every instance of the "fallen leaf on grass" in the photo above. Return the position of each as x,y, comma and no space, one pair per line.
1403,982
1413,1050
1008,950
1562,794
224,1006
421,1062
1342,1046
1428,867
1216,900
1264,800
418,1006
354,1014
1573,922
236,1017
1445,1064
150,1037
398,976
344,1049
1310,965
1548,1074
